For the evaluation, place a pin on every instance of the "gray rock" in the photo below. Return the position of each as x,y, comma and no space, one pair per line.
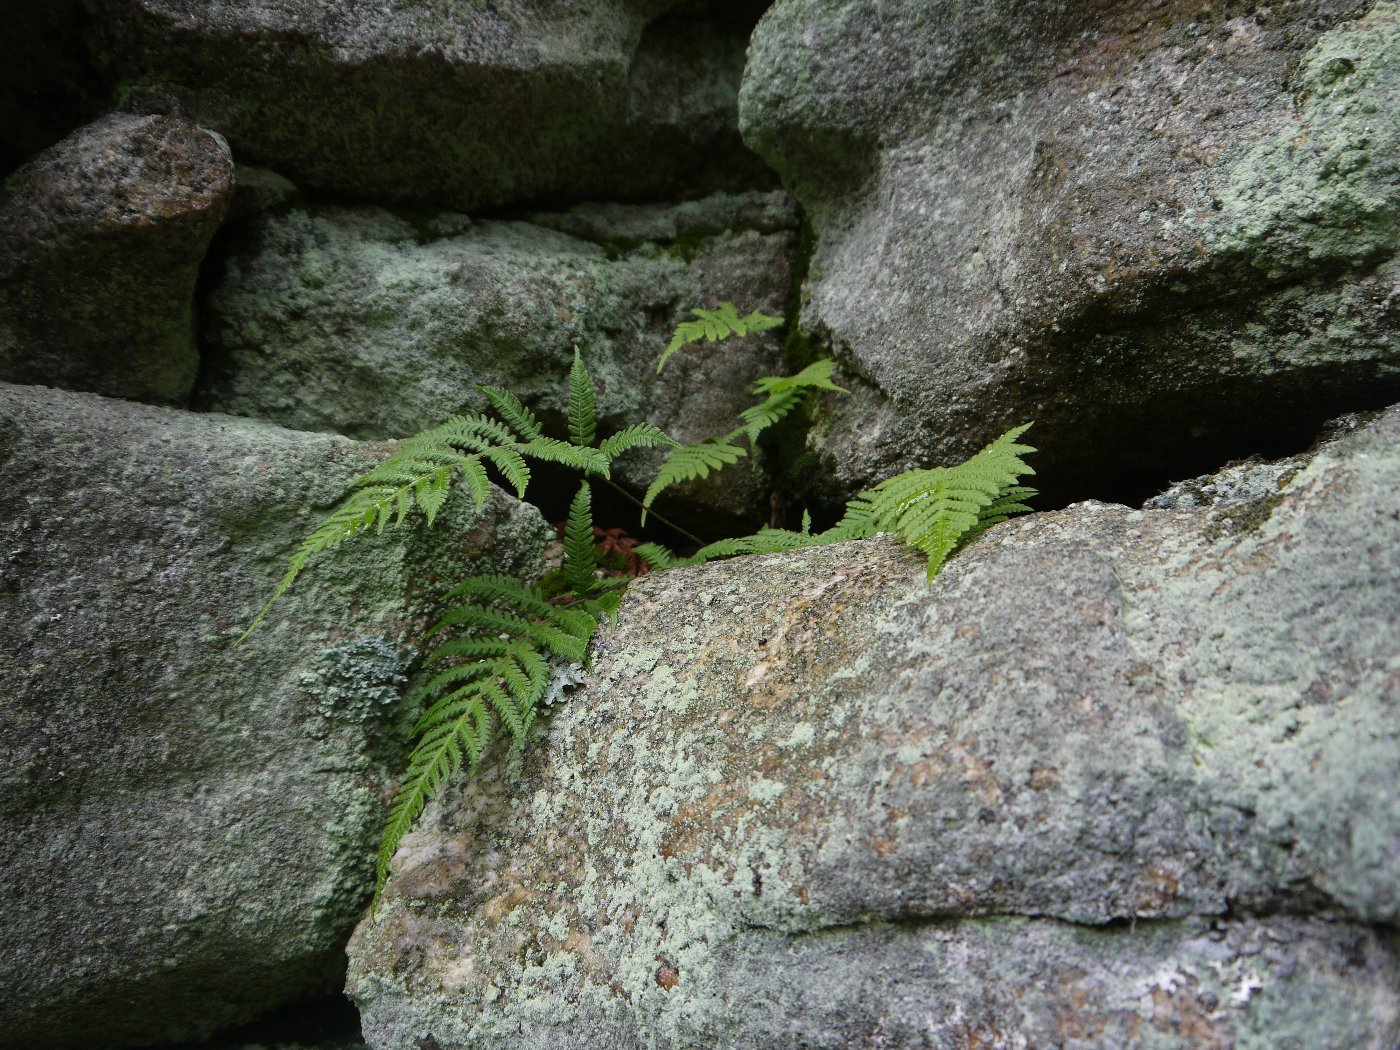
190,821
362,322
1161,234
1116,778
466,105
101,238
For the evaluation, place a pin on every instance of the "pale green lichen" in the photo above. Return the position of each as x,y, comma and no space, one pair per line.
1324,190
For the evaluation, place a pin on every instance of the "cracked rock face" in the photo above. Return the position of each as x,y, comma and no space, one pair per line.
1160,229
467,104
101,238
191,820
1115,778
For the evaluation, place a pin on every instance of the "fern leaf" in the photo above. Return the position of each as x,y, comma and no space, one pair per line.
588,460
639,435
936,510
513,412
689,462
582,404
721,323
494,673
512,467
505,589
580,558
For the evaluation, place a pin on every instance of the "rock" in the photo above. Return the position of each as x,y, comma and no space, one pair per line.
464,105
1123,221
191,821
359,321
101,238
1116,778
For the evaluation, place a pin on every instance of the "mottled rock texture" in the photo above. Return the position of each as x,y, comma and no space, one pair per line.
464,104
190,821
364,322
101,238
1116,778
1165,230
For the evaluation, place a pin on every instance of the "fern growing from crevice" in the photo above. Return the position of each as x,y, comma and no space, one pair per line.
781,395
502,645
507,638
934,510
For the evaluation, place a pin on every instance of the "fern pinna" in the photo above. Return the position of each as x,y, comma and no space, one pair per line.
935,510
716,325
781,395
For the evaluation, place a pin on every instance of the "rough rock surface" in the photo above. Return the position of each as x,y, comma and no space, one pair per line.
1165,230
362,322
1116,778
462,104
190,821
101,238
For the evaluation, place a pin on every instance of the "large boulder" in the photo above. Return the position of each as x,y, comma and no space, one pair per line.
1123,220
368,323
468,105
1116,778
191,819
101,238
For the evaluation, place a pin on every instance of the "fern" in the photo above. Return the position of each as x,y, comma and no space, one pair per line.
715,325
506,638
935,510
688,462
782,394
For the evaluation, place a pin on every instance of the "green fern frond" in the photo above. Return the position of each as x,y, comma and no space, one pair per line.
491,675
936,510
714,325
580,557
513,412
782,394
552,450
689,462
638,435
583,409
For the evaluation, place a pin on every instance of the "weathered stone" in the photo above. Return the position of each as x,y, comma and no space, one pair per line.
361,322
1166,231
462,104
190,820
101,239
1116,778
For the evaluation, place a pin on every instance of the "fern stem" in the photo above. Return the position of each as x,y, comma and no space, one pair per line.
665,521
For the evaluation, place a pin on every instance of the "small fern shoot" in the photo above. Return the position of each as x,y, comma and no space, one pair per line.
716,325
781,394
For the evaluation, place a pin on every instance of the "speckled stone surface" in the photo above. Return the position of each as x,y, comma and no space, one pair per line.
101,239
190,822
1115,779
1164,229
469,104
